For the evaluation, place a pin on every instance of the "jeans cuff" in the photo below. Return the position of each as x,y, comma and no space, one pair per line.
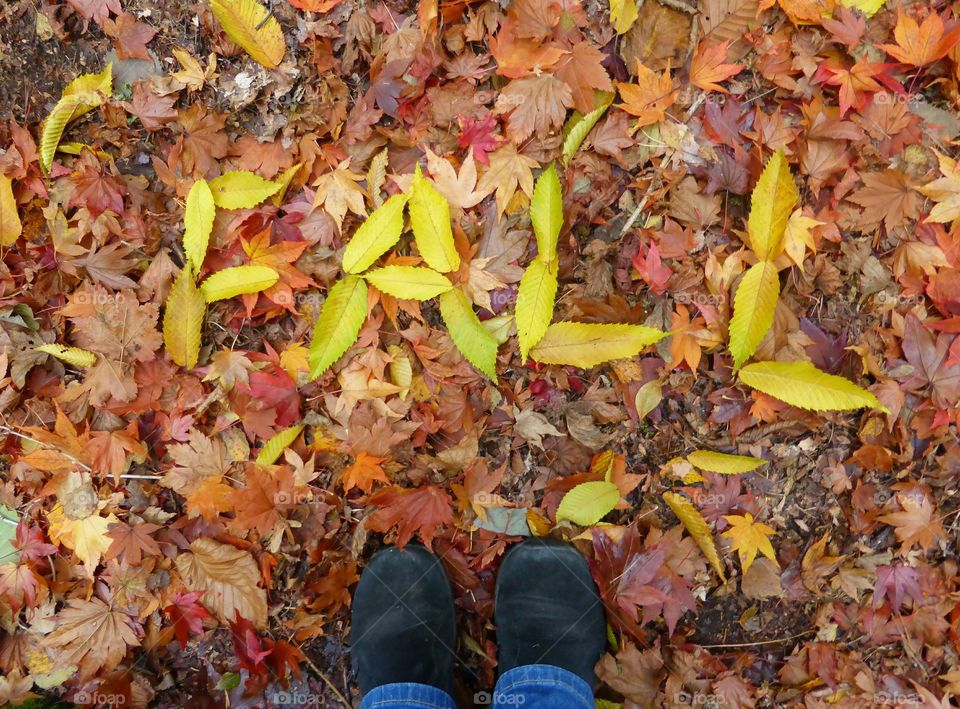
524,678
407,695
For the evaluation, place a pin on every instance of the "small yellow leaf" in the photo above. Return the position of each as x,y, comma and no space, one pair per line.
589,502
473,340
802,385
623,13
339,323
797,238
867,7
753,308
430,220
546,213
241,189
183,320
697,527
724,463
538,289
198,223
586,345
238,280
71,355
771,204
10,226
284,179
648,398
375,236
401,371
253,27
749,537
410,282
86,536
277,444
578,126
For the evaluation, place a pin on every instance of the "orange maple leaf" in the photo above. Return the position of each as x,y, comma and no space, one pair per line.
709,66
649,97
421,510
363,472
922,44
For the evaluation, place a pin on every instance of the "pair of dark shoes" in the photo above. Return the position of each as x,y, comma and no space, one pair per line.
547,611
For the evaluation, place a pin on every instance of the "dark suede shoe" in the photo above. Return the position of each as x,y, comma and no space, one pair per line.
403,621
548,610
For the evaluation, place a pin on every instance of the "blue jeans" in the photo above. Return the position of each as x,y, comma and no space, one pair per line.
525,687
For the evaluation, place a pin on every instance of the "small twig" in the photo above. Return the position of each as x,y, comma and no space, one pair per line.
129,476
9,431
328,682
761,642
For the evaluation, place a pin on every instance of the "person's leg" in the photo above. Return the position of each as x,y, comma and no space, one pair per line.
551,629
403,631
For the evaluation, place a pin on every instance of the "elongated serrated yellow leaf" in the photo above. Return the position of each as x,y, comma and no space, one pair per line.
380,231
10,226
546,213
277,444
183,320
697,527
724,463
430,221
241,189
586,345
237,281
413,282
802,385
253,27
771,204
339,323
867,7
623,13
753,308
71,355
473,340
81,95
578,126
589,502
198,223
538,290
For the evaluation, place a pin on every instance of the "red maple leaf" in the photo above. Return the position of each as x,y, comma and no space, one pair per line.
187,616
477,134
651,269
420,510
248,647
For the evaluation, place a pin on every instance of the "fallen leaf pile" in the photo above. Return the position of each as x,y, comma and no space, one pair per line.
677,282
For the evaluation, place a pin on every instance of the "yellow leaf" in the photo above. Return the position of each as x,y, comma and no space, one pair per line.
753,308
724,463
253,27
284,179
867,7
589,502
380,231
538,289
771,204
802,385
339,323
71,355
473,340
623,13
10,226
797,238
198,223
87,536
945,191
228,578
749,537
82,95
401,371
241,189
586,345
183,320
430,220
648,397
697,527
295,359
410,282
546,213
577,127
237,281
277,444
